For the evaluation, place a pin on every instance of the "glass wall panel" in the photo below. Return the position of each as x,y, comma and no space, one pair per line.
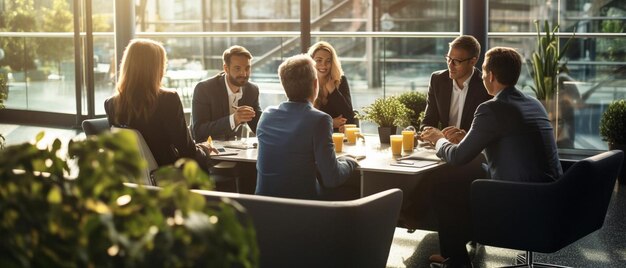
218,15
418,16
41,75
103,20
104,72
39,67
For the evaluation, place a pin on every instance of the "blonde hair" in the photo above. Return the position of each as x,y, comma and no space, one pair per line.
335,70
142,68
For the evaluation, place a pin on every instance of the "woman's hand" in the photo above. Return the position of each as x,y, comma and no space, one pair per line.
339,121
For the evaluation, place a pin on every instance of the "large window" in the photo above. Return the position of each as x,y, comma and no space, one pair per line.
386,48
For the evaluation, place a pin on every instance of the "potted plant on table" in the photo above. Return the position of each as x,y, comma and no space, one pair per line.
48,219
388,113
613,130
416,103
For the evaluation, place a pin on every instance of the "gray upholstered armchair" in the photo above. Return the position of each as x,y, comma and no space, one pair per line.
545,217
305,233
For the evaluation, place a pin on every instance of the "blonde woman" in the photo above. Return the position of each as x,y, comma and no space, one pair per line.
140,103
334,92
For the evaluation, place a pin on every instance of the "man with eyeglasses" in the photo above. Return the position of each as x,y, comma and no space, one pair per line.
454,93
453,96
514,133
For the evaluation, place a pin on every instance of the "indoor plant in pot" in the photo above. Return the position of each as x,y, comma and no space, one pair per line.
388,113
613,130
545,67
416,102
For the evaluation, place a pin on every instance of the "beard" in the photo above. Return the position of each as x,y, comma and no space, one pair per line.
238,80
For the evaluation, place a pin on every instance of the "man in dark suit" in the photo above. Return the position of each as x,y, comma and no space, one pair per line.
516,136
296,157
454,93
221,104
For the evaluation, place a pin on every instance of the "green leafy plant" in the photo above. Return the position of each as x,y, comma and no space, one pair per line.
51,219
613,123
386,112
545,62
416,103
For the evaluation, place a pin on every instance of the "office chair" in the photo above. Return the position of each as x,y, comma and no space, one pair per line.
146,154
95,126
308,233
545,217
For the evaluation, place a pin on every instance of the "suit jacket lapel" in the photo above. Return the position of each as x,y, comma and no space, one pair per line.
446,95
224,104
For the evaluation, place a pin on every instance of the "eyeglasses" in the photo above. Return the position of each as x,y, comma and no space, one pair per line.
456,62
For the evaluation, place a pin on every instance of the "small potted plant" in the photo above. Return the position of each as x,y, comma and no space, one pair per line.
416,102
613,130
388,113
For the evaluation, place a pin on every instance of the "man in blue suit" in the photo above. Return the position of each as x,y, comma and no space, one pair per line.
516,136
296,156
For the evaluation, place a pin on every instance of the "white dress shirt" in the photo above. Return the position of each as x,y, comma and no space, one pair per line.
457,101
233,100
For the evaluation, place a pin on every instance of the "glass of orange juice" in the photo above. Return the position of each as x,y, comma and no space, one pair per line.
408,137
351,134
396,144
338,141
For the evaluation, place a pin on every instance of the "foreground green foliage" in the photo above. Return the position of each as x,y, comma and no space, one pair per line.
48,219
613,123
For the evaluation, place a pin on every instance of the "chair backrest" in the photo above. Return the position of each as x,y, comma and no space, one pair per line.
587,188
146,154
305,233
545,217
95,126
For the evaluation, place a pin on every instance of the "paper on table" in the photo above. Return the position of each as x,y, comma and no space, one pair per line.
414,163
422,155
355,156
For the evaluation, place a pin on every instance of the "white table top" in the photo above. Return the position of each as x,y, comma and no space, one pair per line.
378,157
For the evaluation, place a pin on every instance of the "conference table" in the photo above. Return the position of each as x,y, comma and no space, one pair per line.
379,171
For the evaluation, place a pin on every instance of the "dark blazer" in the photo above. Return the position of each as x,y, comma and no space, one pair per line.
165,131
340,102
295,143
516,135
439,94
210,109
